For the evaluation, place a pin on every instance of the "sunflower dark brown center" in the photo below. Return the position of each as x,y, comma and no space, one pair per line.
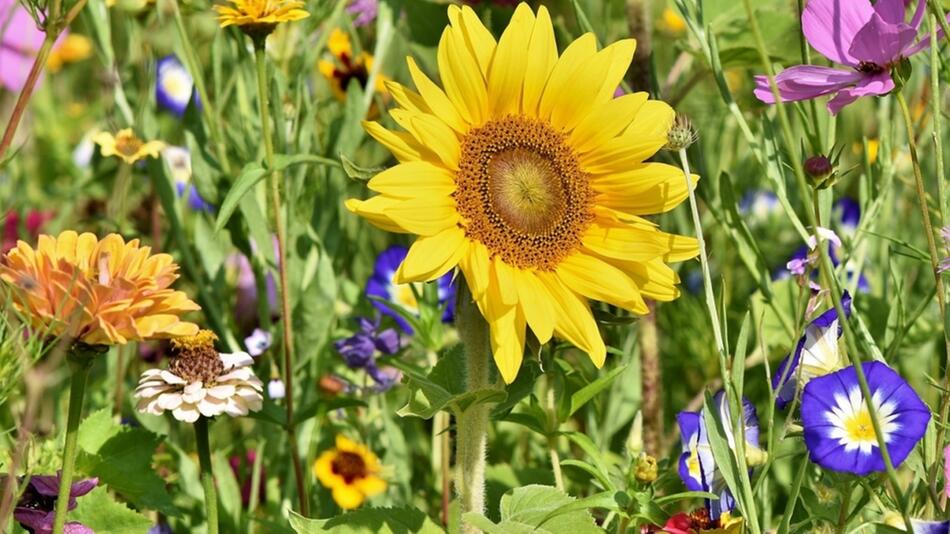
521,192
349,465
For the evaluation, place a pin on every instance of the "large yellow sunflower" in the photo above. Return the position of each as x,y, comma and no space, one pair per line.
524,171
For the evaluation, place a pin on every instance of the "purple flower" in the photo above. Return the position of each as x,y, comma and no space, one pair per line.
20,40
945,236
838,429
922,526
258,342
847,212
697,466
359,350
382,284
869,39
160,528
174,87
364,11
35,510
816,353
242,466
178,159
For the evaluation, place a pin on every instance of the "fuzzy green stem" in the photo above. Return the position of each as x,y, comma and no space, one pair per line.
826,267
288,340
207,475
80,362
472,423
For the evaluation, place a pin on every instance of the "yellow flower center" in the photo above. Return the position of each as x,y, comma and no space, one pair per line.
858,427
521,192
349,465
127,144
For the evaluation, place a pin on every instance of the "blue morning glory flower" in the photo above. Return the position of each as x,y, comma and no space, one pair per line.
838,430
847,213
382,284
359,351
697,467
758,203
178,159
930,527
816,352
174,87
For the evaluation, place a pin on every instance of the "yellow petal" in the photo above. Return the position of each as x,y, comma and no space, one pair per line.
654,119
648,189
415,179
563,75
620,153
575,322
507,342
475,266
681,248
373,210
431,257
507,72
535,304
576,100
606,122
541,57
347,497
423,216
433,133
407,98
596,279
621,56
436,99
480,41
504,275
401,144
371,485
462,78
625,241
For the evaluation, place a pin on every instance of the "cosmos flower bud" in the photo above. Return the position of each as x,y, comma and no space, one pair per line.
820,171
645,470
681,134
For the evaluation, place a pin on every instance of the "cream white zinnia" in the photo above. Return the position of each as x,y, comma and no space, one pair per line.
200,381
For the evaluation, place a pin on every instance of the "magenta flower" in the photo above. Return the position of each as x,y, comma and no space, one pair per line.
20,40
870,40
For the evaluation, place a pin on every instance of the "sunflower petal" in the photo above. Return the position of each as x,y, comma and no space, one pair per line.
575,322
541,57
431,257
596,279
507,72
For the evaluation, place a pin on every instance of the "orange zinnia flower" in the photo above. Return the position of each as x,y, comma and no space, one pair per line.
97,292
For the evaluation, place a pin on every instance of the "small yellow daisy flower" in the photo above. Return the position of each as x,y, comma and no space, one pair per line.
350,471
127,145
258,18
671,22
346,67
73,48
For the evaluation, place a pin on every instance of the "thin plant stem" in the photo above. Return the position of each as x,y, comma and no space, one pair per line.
552,439
703,259
827,269
54,28
256,471
472,423
207,474
288,340
79,364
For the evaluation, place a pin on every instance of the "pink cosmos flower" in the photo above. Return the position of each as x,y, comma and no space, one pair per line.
868,39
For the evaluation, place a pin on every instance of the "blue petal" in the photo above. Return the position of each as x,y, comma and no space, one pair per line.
689,426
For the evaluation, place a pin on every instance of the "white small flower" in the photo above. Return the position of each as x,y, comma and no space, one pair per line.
258,342
207,388
179,163
82,154
275,389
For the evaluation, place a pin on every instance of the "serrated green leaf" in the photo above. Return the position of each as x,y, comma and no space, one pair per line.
100,512
533,504
444,389
369,521
505,527
121,457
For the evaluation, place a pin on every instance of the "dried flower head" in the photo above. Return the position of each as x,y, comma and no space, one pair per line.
200,381
97,292
681,134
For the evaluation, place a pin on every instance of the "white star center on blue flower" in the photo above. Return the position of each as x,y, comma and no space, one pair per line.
851,421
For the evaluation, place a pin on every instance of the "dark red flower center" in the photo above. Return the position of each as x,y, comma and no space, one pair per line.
349,465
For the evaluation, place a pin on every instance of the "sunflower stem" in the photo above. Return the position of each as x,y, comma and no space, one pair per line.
472,423
288,340
80,361
207,475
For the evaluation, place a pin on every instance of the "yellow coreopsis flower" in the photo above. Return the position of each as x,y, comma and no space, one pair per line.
73,48
260,17
99,292
671,22
127,146
350,471
526,173
346,67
